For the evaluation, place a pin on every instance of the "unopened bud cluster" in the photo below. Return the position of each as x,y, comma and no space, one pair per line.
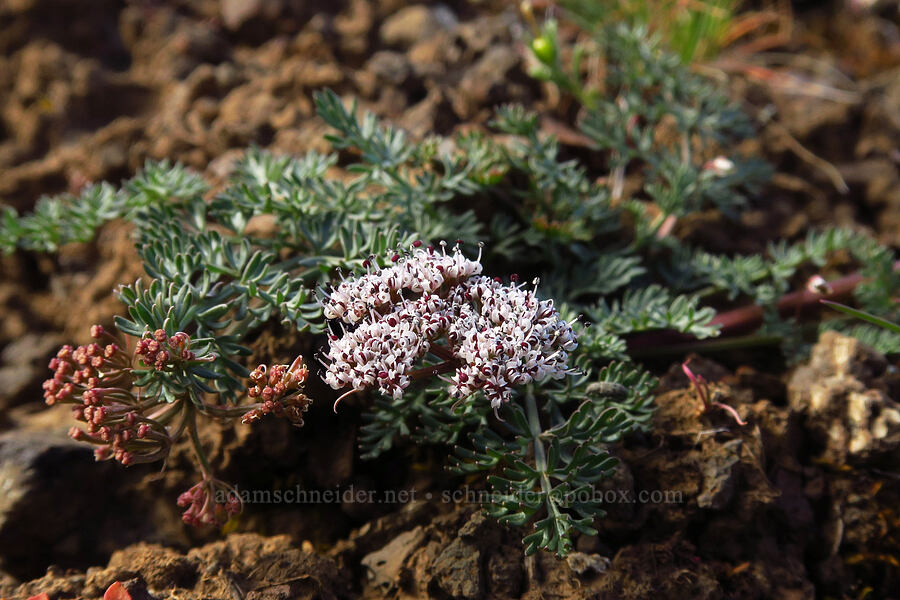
496,336
209,502
278,387
97,380
162,351
128,419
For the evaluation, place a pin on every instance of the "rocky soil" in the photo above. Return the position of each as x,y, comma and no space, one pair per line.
800,503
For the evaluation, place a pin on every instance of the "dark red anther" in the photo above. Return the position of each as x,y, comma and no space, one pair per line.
395,258
514,277
417,243
382,374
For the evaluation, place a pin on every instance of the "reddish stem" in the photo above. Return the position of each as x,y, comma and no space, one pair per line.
747,318
442,352
438,369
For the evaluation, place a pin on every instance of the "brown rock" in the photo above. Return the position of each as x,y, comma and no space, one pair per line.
457,571
156,565
411,24
848,417
384,565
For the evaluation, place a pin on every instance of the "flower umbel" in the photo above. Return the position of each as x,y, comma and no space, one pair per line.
209,502
491,335
97,379
129,418
279,388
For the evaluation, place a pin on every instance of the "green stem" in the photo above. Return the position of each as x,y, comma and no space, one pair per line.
228,412
165,413
540,459
191,416
540,456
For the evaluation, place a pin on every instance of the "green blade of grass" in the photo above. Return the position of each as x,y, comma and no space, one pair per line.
859,314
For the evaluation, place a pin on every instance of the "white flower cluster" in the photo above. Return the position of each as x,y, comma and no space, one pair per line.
504,336
497,336
423,271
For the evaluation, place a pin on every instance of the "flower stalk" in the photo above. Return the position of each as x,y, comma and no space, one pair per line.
128,418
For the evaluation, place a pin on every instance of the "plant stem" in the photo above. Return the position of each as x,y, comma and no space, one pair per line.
718,345
431,371
741,320
191,416
540,456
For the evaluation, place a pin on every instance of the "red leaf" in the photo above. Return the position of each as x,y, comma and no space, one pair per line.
117,591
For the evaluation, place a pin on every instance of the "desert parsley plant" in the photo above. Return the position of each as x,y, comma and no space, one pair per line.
531,384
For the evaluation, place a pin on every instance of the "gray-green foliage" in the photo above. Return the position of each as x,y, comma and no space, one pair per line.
219,267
